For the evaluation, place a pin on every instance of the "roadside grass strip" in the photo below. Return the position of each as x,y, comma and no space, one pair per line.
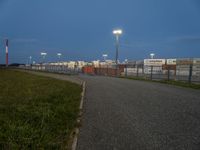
36,112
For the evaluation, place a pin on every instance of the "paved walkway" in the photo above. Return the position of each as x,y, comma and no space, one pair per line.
122,114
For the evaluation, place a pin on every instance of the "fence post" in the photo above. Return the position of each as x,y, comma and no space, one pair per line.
116,69
175,73
168,73
100,71
137,70
190,74
126,74
151,72
143,71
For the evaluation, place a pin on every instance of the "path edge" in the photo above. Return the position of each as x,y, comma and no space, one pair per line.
77,130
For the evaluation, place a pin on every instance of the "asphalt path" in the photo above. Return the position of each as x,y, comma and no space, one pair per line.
121,114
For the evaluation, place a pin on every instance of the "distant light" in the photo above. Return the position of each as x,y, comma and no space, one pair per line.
43,54
152,55
105,55
126,60
117,32
59,54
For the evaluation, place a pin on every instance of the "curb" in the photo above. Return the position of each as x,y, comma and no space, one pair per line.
76,132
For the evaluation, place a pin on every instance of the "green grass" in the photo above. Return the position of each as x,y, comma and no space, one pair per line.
172,82
36,112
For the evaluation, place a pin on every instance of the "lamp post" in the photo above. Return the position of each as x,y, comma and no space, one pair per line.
105,56
6,52
126,62
117,33
30,60
152,55
43,56
59,55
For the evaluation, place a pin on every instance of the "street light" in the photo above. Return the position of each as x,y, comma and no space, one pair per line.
43,55
30,58
126,62
117,33
59,55
105,56
152,55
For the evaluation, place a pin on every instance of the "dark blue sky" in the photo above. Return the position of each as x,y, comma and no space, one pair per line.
82,29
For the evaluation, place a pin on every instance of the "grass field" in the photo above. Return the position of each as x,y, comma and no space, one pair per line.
36,112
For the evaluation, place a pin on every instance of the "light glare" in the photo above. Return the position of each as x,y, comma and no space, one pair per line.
117,32
105,55
43,54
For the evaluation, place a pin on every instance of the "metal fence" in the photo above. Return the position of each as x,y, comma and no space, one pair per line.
53,68
189,73
184,70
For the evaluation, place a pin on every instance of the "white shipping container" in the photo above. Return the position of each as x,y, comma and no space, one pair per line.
196,61
171,61
171,72
154,62
196,73
182,72
182,66
155,70
133,70
196,67
184,61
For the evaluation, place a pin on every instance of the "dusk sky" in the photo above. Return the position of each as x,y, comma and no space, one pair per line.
82,29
